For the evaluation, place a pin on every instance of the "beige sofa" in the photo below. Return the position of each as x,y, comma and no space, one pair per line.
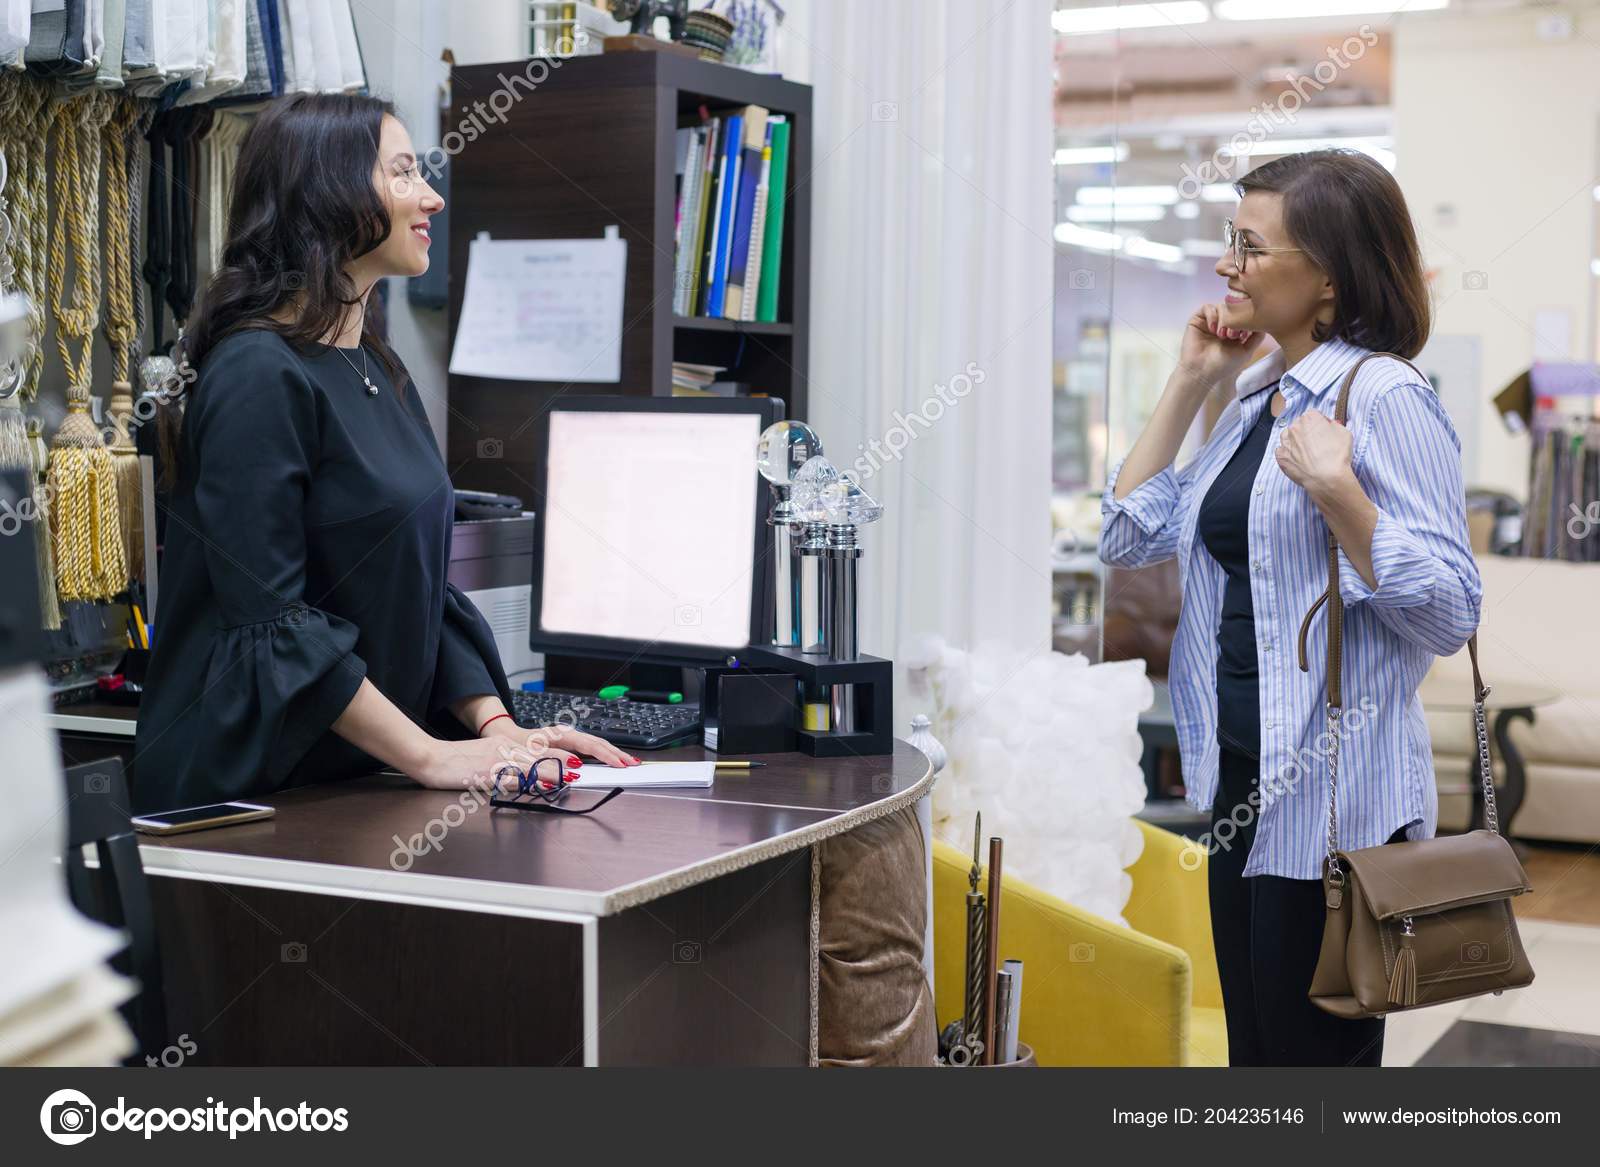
1539,626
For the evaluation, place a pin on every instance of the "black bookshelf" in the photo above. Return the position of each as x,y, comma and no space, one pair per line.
593,146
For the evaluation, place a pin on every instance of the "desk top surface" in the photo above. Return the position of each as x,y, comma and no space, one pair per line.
384,837
97,717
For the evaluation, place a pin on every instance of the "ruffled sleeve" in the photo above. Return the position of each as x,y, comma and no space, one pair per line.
469,662
281,670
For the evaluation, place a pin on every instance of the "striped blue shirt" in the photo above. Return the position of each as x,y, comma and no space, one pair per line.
1407,457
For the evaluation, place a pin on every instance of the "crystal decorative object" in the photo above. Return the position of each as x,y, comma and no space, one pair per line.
846,503
783,449
158,374
813,478
13,326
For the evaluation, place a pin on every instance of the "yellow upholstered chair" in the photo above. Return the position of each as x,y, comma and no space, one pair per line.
1095,993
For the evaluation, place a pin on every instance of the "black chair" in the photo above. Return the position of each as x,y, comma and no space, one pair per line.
116,892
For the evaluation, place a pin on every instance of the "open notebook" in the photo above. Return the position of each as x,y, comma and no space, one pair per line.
647,775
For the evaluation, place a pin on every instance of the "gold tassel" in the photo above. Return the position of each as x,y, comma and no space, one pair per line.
90,564
130,484
13,434
44,551
1403,982
83,491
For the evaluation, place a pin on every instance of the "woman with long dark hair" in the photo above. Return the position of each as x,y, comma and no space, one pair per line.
1322,256
307,631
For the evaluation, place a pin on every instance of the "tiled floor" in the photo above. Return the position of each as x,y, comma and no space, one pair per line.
1554,1021
1482,1043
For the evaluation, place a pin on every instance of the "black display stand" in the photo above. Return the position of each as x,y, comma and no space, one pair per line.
873,679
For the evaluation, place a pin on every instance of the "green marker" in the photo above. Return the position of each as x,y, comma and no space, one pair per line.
616,692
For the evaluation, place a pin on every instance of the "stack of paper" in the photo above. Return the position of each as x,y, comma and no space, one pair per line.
648,776
57,998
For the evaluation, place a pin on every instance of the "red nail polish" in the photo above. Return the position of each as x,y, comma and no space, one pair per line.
572,775
574,761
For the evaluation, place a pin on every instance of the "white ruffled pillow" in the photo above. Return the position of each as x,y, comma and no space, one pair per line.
1048,749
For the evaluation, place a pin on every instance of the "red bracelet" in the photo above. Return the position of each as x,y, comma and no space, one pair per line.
490,722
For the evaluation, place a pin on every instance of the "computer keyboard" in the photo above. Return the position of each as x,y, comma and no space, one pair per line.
639,725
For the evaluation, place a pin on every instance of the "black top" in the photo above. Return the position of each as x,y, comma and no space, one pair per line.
307,545
1224,524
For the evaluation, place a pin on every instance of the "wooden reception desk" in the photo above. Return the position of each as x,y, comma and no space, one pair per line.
373,922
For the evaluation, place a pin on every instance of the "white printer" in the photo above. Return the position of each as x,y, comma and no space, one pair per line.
491,560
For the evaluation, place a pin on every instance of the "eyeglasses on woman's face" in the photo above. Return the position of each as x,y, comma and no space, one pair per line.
1234,241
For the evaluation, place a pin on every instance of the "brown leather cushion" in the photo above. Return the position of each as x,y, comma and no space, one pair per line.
1141,614
874,1005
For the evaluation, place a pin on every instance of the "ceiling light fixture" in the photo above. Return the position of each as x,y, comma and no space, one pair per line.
1298,9
1090,155
1109,17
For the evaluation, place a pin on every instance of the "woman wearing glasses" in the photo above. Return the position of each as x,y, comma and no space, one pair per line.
308,632
1321,257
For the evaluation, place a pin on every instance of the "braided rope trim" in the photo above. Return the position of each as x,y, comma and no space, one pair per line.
38,196
26,114
138,158
120,318
77,219
668,882
815,971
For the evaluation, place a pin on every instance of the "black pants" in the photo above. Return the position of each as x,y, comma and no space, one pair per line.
1267,931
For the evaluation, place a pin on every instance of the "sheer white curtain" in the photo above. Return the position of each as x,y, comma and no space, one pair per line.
931,305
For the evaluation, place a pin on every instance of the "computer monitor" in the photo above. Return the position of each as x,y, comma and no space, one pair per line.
651,538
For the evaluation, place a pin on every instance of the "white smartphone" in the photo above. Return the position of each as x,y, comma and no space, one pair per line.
201,818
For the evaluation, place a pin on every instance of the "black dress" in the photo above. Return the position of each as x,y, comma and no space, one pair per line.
307,544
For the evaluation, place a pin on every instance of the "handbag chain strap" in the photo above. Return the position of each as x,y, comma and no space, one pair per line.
1335,702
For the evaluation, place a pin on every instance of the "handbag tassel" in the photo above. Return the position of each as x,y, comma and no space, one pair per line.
1403,984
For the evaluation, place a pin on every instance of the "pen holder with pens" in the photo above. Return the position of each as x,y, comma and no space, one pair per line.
125,685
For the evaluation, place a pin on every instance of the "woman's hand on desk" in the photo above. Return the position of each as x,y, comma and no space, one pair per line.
485,712
561,738
478,762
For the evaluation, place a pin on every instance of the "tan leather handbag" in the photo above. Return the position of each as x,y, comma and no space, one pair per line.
1412,924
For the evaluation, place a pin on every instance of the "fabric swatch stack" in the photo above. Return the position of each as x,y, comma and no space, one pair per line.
234,50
